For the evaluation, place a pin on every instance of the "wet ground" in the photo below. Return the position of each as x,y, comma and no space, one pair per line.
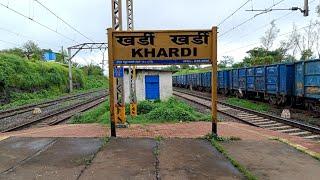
120,158
270,159
77,152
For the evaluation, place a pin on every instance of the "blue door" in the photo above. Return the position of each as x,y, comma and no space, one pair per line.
152,87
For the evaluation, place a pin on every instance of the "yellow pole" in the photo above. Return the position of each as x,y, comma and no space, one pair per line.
111,84
214,82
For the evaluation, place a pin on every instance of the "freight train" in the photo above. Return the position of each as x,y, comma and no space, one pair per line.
280,84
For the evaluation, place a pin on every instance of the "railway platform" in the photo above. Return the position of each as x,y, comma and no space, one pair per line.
78,152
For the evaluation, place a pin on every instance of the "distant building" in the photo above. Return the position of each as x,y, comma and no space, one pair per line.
49,56
151,84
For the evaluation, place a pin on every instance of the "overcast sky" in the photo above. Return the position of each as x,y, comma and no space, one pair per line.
92,17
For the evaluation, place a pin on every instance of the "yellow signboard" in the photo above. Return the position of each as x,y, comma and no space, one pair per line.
162,47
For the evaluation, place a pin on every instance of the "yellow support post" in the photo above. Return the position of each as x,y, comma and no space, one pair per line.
214,82
111,85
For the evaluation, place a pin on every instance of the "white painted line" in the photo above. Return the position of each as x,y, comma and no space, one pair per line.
311,137
300,133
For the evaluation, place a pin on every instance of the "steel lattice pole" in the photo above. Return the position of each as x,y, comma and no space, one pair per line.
132,69
119,98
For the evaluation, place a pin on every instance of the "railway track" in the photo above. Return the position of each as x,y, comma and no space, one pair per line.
60,115
255,118
27,108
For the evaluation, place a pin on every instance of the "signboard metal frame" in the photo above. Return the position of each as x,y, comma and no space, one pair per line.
211,58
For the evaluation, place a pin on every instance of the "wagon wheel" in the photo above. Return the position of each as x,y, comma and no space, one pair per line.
239,95
224,92
311,107
273,100
281,100
291,103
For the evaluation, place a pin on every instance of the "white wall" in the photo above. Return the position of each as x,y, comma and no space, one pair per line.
165,82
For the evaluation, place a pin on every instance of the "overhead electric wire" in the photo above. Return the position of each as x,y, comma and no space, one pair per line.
70,26
298,29
26,37
31,19
283,34
246,21
233,13
15,44
261,27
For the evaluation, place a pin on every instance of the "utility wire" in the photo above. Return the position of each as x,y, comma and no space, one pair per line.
15,44
70,26
31,19
235,49
26,37
298,29
246,21
233,13
261,27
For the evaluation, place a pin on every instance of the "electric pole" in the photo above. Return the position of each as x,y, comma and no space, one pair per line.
132,69
70,71
306,8
119,106
62,54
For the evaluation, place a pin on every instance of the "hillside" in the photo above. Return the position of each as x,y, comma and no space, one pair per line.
22,79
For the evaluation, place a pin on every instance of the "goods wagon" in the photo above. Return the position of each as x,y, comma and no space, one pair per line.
181,81
307,83
195,81
279,83
206,81
238,85
287,83
223,81
255,79
174,81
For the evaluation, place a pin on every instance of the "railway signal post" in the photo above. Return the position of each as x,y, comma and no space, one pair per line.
120,110
132,69
162,47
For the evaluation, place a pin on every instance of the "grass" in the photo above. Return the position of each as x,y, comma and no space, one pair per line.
215,142
24,81
249,105
95,115
170,111
192,71
299,148
19,99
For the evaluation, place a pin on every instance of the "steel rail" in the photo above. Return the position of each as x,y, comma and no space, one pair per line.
293,123
26,108
49,115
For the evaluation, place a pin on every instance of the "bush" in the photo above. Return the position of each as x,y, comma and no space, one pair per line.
163,114
171,110
145,107
20,74
93,82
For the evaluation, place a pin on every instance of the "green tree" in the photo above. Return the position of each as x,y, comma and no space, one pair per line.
261,56
172,68
16,51
270,36
306,54
227,61
92,69
60,59
184,66
32,51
